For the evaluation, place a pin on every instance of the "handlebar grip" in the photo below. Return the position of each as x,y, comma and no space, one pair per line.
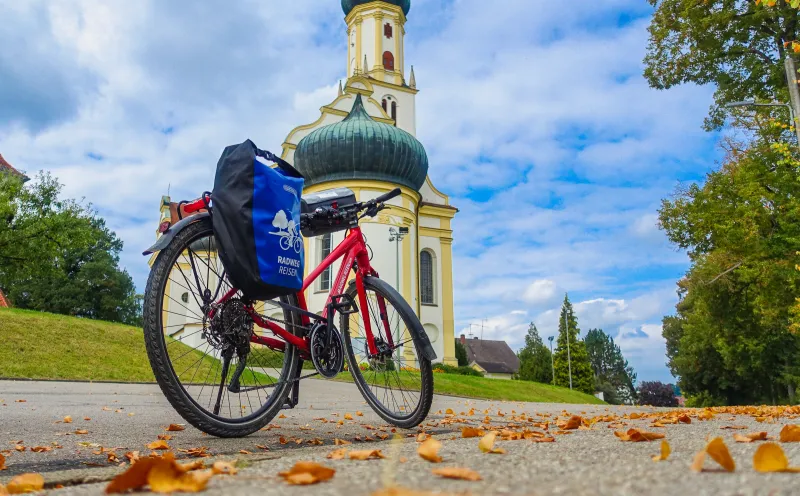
388,196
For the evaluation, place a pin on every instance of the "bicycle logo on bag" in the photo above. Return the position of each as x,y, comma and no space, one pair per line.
289,232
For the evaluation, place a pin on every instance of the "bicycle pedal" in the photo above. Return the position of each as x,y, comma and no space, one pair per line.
346,307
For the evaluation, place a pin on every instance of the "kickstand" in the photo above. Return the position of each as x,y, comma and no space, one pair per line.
294,396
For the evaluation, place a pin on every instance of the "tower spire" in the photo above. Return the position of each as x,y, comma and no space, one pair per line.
340,88
413,81
366,65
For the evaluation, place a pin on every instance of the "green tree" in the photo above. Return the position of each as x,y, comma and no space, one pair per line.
535,359
461,354
582,375
610,367
737,45
730,342
58,256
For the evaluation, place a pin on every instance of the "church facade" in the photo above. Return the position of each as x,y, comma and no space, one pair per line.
364,140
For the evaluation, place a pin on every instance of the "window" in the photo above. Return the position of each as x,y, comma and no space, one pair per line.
384,105
325,250
387,30
426,283
388,61
394,110
185,297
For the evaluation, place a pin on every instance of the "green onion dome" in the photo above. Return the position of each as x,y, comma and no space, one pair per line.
348,5
359,147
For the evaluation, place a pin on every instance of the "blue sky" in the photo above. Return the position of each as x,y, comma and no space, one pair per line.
535,116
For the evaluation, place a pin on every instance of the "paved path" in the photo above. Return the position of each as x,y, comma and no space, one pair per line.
585,462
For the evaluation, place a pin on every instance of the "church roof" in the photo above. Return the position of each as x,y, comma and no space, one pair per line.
6,167
359,147
348,5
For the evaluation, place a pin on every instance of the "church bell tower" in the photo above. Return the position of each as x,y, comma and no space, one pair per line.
376,32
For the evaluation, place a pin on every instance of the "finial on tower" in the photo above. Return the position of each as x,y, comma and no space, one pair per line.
340,88
366,65
413,81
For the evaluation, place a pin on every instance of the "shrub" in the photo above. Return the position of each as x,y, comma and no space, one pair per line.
656,393
449,369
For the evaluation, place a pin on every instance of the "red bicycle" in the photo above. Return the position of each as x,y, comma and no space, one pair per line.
228,365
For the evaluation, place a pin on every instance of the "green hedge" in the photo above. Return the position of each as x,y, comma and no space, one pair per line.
449,369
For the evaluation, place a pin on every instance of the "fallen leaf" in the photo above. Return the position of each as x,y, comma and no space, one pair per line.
224,468
684,419
158,445
2,462
81,432
573,423
467,432
67,419
749,438
281,416
19,447
195,465
245,452
340,442
41,449
457,473
165,437
175,428
366,455
665,452
132,456
449,411
305,473
422,437
717,450
790,434
429,450
25,483
359,414
699,461
338,454
769,457
739,427
168,477
637,436
486,444
347,416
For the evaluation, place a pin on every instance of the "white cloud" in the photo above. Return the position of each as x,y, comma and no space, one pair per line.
541,292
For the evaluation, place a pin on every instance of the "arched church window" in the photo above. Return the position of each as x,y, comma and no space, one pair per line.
394,110
325,246
385,108
387,30
426,278
388,61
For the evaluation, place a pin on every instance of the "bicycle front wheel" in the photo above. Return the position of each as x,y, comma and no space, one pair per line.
397,381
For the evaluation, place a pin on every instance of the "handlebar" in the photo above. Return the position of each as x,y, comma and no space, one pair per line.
388,196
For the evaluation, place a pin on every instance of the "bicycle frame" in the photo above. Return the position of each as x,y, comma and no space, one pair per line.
354,251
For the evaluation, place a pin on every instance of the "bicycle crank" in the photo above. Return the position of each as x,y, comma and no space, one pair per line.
327,350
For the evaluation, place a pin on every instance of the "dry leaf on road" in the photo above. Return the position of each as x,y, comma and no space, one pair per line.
158,445
486,444
67,419
573,423
749,438
790,434
304,473
25,483
2,462
637,436
718,451
165,437
366,455
175,428
665,452
224,468
457,473
429,450
169,477
81,432
338,454
467,432
347,416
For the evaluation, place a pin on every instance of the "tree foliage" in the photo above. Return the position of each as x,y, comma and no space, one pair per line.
461,354
656,393
535,363
610,367
730,342
58,256
572,350
737,45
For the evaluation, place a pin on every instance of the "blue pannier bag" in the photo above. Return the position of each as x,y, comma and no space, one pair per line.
256,219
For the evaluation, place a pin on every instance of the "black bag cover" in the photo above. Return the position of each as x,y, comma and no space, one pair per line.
256,220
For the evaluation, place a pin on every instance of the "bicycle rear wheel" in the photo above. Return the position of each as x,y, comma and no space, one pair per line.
397,382
195,357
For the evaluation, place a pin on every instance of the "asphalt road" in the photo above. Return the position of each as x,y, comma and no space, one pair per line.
584,462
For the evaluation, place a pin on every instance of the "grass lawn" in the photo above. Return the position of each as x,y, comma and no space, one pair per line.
484,388
38,345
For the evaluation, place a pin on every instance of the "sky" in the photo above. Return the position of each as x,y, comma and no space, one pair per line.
535,116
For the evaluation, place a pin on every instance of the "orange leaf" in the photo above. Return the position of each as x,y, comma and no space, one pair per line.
166,476
338,454
359,414
81,432
699,460
224,468
718,451
573,423
429,450
133,478
340,442
665,452
175,428
684,419
67,419
165,437
41,449
366,455
158,445
19,447
457,473
25,483
2,462
637,436
347,416
486,444
472,432
304,473
449,411
769,457
790,434
749,438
